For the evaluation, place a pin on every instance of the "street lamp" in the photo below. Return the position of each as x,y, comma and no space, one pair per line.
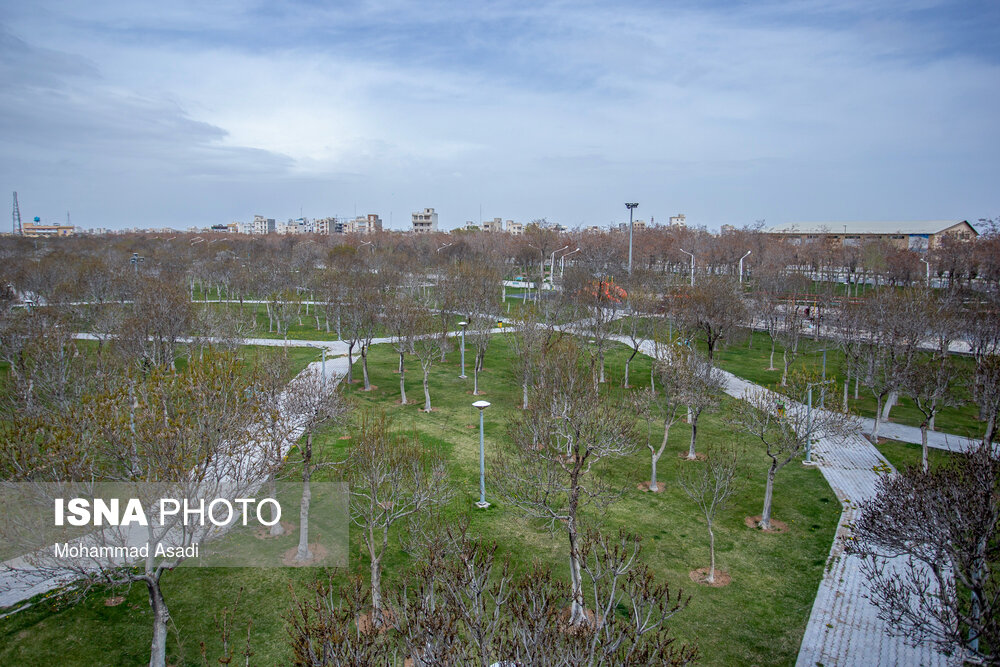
552,266
741,265
692,264
136,259
482,504
927,265
364,243
443,247
463,324
630,206
562,262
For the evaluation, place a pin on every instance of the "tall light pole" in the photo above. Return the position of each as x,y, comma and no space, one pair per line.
631,206
482,504
692,264
443,247
463,324
562,262
367,243
741,264
927,265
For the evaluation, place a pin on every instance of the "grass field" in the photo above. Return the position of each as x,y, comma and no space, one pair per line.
758,619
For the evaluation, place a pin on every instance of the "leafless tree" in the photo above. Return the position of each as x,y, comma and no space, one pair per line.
391,479
401,315
714,307
783,434
927,382
711,486
554,468
427,345
929,545
701,390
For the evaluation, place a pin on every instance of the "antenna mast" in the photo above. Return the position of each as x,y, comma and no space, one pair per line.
17,218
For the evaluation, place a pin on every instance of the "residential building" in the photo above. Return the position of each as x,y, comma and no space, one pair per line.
366,224
919,236
260,225
494,225
515,228
425,222
38,230
679,220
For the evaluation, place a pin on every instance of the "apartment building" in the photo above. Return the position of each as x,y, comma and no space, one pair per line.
919,236
425,222
515,228
679,220
37,230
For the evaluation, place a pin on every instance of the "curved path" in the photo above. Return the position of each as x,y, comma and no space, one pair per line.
844,628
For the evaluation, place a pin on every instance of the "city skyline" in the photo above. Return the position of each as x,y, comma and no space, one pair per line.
145,115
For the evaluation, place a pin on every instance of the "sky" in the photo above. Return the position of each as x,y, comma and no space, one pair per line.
180,113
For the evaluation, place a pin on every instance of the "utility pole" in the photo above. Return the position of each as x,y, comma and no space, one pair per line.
631,207
17,218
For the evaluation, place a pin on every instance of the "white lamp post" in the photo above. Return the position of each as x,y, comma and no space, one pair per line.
552,266
692,264
631,207
463,324
482,504
562,262
927,265
741,265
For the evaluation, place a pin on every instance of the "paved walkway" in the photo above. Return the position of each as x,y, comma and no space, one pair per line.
844,628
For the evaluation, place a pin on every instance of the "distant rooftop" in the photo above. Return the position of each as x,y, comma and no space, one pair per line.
860,227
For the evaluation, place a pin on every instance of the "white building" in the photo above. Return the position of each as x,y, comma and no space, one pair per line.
425,222
260,225
515,228
678,220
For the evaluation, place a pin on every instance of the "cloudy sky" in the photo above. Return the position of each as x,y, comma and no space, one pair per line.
173,113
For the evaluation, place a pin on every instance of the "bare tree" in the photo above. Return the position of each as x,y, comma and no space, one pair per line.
928,542
927,383
714,307
427,345
554,469
711,486
784,434
391,479
701,390
663,406
401,319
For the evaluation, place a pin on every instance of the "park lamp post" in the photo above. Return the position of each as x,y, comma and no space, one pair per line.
692,263
482,504
136,260
631,206
927,266
741,265
463,324
552,266
562,262
364,243
809,406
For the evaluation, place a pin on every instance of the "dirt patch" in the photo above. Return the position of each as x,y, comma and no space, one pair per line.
371,387
481,393
776,526
114,601
698,456
366,627
421,409
264,532
344,437
644,486
318,551
470,425
700,576
593,622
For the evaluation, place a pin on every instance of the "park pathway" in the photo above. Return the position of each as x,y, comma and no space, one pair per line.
844,628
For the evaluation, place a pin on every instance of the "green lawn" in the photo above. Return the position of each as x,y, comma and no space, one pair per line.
758,619
905,454
751,363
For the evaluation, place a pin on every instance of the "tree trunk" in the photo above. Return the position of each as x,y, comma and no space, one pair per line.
601,355
990,429
376,575
784,374
889,402
923,444
857,387
711,553
524,394
427,393
770,365
628,362
765,517
578,614
652,476
694,434
878,407
350,362
161,618
364,366
275,530
402,386
303,553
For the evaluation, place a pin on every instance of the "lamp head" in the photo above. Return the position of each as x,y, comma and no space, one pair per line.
482,405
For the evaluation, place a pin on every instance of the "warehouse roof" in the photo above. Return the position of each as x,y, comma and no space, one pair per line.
856,227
